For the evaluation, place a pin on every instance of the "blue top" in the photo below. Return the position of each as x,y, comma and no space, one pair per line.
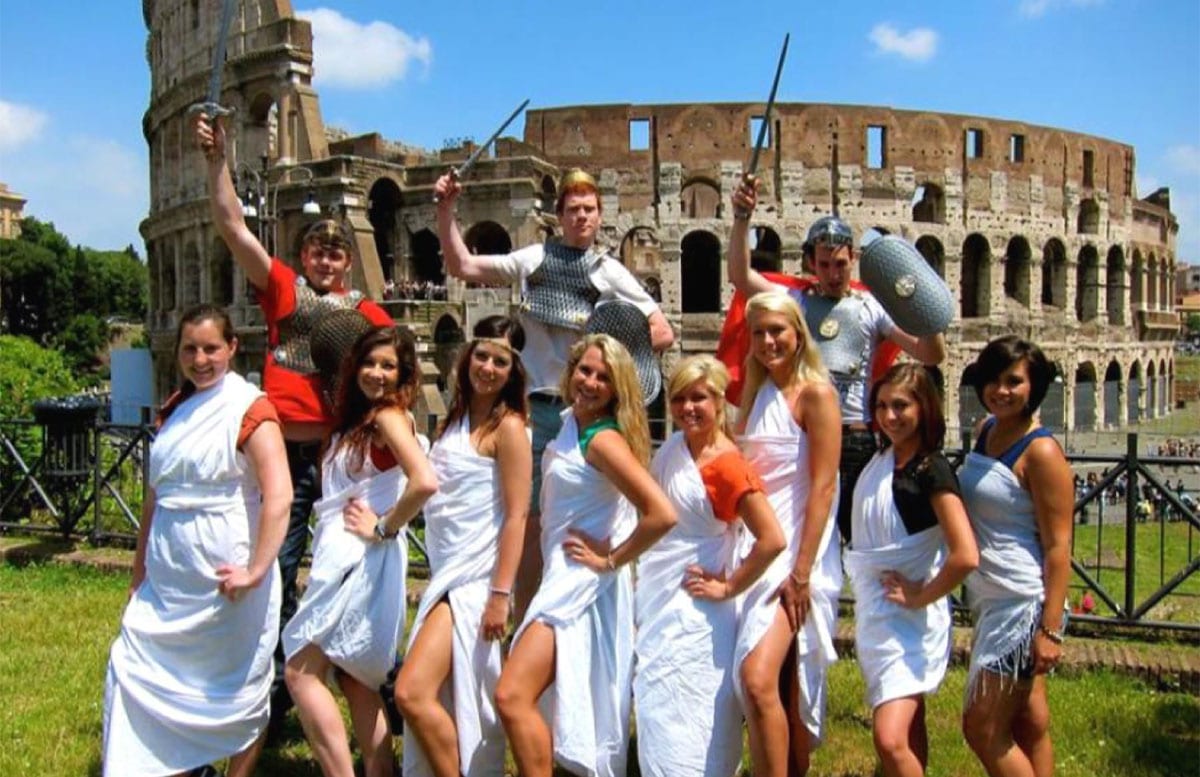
1013,452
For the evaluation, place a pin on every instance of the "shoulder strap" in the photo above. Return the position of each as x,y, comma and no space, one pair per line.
1010,456
981,443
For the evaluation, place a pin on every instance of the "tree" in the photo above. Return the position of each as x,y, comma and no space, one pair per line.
29,372
1193,323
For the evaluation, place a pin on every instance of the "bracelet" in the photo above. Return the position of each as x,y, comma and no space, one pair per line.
797,579
741,215
1054,636
500,591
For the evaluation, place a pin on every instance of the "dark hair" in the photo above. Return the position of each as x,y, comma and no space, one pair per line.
916,380
1002,353
354,415
511,398
206,312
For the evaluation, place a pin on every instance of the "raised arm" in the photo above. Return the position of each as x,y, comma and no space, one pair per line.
744,278
460,262
514,458
226,208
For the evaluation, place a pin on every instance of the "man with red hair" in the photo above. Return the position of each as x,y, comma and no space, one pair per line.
562,281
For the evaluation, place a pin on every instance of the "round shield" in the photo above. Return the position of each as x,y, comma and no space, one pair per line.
906,286
330,340
629,326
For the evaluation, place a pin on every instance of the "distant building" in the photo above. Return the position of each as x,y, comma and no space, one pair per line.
1187,279
12,207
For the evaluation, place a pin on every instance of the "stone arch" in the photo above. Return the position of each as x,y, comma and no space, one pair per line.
766,249
1134,394
1089,217
487,238
1053,412
1054,274
262,129
448,337
1151,392
929,204
1114,285
1165,272
1085,396
641,250
1152,283
931,248
425,258
220,274
653,286
190,294
170,287
1018,257
1164,389
970,409
1087,284
549,192
870,235
1137,271
700,198
975,291
700,272
1112,395
384,199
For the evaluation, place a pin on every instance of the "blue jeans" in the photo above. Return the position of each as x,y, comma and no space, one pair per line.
303,464
545,416
858,446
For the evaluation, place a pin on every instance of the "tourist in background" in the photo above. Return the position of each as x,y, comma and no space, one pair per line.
1017,487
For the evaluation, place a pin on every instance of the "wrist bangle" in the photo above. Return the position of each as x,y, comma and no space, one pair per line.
500,591
797,579
1054,636
741,215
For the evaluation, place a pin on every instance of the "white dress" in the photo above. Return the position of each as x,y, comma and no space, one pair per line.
354,605
189,675
688,717
588,704
901,652
777,448
462,533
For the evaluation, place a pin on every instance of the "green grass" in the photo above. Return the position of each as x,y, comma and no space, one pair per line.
56,624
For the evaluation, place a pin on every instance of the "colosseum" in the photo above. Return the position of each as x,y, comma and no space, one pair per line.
1038,231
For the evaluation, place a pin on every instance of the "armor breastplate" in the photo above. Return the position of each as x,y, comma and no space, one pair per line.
294,351
560,291
836,324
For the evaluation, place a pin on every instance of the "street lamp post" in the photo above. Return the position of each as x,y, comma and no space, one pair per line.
260,201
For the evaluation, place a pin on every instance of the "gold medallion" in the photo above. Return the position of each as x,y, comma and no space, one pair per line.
828,329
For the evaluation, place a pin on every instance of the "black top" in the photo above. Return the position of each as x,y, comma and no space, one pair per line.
914,484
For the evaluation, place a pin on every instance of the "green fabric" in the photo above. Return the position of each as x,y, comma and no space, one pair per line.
597,426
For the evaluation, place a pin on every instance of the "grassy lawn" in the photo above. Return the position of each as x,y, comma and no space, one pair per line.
56,623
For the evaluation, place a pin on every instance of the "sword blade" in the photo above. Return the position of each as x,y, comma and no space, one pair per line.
218,67
766,122
466,166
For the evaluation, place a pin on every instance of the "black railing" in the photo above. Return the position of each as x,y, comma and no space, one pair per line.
33,499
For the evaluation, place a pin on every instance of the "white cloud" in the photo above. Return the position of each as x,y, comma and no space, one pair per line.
351,55
1183,159
19,124
1033,9
918,44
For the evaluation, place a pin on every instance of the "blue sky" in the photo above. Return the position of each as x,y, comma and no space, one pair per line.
74,81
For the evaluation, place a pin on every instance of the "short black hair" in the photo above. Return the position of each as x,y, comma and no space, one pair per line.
1003,352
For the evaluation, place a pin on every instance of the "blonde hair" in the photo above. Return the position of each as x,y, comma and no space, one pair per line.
715,377
806,363
626,405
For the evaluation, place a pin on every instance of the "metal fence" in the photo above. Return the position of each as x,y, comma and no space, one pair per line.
1135,548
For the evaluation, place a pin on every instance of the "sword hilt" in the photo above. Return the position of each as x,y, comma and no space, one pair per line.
211,109
454,175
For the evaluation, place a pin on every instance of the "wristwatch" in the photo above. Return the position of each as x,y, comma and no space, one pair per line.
381,532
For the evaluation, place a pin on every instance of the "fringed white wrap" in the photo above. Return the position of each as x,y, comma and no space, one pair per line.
462,530
688,717
1006,590
189,675
353,608
778,450
591,614
901,652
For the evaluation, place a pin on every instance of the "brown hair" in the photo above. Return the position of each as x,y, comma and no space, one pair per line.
354,415
916,380
511,398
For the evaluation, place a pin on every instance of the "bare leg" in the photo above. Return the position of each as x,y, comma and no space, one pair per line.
370,727
427,667
526,676
799,738
319,712
988,725
918,740
1031,729
243,763
766,719
892,729
529,572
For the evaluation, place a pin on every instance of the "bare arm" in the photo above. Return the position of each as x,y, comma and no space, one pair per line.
1048,477
395,430
755,511
266,454
961,559
226,207
460,262
744,278
662,336
514,458
930,349
609,453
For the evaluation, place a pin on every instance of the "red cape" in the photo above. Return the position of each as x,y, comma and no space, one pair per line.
734,344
